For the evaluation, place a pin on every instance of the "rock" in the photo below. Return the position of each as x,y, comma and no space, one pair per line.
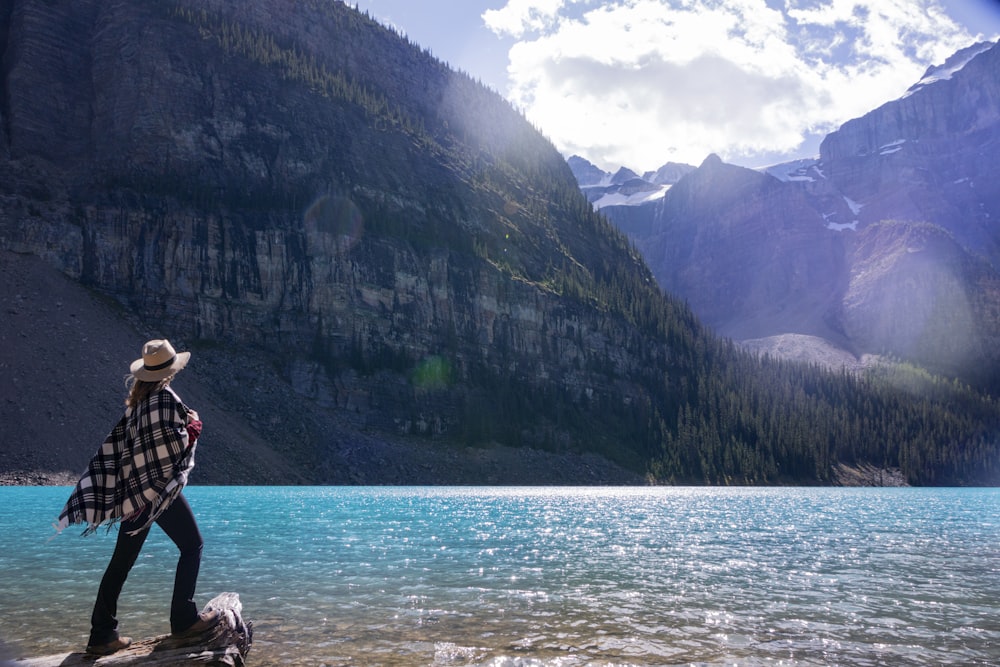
867,475
929,155
227,643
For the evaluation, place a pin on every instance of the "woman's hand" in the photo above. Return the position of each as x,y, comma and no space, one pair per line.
192,416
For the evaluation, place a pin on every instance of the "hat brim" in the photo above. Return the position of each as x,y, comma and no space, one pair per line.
140,372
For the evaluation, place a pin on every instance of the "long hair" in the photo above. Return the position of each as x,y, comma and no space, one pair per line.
139,390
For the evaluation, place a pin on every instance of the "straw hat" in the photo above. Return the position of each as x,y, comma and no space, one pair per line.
158,361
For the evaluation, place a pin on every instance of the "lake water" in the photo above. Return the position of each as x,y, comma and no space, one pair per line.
544,576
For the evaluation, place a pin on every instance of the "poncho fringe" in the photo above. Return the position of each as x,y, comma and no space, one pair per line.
144,462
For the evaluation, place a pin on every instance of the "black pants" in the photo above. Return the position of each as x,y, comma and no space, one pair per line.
177,521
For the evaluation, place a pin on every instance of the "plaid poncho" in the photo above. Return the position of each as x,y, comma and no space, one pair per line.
144,461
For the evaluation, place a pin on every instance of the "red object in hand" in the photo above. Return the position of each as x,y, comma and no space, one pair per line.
194,430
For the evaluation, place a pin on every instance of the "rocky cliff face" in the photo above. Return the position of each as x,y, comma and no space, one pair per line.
929,156
916,292
800,248
748,252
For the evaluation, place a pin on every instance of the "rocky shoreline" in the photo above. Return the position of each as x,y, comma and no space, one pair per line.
501,467
868,475
37,478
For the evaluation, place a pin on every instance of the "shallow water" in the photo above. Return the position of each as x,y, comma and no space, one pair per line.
545,576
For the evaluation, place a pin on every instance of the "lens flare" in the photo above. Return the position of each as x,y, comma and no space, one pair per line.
335,215
434,372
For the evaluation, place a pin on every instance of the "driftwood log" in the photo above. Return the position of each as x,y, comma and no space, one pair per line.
227,643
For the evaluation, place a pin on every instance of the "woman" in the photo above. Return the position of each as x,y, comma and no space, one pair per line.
136,478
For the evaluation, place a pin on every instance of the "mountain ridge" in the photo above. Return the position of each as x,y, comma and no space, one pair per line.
925,158
386,274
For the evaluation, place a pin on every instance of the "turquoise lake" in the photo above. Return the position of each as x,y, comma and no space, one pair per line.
543,576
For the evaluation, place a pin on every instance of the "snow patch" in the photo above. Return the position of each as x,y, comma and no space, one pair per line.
795,171
636,199
894,147
950,67
841,226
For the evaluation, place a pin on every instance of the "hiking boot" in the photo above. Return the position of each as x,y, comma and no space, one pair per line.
206,620
110,647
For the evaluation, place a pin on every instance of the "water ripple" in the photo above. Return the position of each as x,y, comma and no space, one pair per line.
549,577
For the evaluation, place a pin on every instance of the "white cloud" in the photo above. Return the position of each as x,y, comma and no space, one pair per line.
521,16
641,82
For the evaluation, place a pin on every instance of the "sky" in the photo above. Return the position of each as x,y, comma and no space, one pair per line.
639,83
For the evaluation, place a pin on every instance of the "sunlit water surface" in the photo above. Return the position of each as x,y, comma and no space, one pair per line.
544,576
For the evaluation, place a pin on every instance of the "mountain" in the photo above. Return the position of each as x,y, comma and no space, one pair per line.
345,231
886,243
384,273
624,187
